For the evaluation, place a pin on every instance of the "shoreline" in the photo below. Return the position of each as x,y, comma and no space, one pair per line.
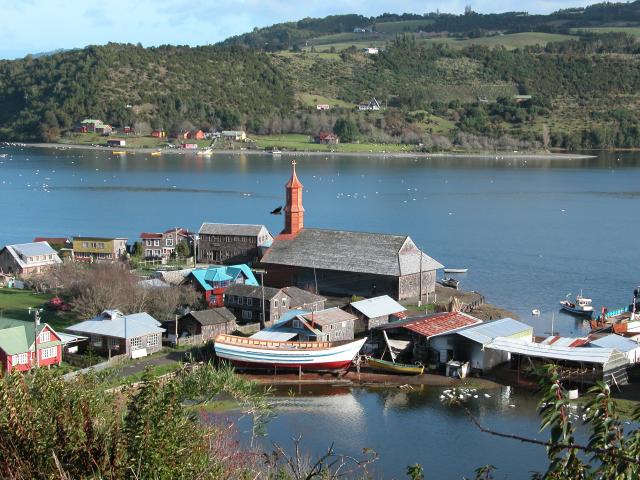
309,153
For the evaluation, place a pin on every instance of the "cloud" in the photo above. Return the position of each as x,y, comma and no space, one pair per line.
44,25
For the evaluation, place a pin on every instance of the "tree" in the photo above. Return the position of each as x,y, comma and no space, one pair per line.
346,129
183,249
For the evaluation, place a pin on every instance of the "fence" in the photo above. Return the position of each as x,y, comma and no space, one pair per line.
95,368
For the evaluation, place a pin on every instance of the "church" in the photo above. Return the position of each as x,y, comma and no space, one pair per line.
338,262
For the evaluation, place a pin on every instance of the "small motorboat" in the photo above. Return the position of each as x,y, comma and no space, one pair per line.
156,153
118,152
535,312
206,151
449,282
582,305
275,151
456,270
392,367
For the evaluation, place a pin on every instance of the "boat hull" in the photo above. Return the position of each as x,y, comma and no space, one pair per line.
287,355
455,270
400,368
575,311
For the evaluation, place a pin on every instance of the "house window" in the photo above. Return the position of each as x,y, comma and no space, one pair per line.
249,301
156,243
96,341
247,314
45,336
19,359
47,353
297,324
344,324
275,303
153,340
149,243
114,344
169,242
136,343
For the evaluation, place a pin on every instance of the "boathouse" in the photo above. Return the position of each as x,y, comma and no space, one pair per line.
372,312
467,344
345,262
579,365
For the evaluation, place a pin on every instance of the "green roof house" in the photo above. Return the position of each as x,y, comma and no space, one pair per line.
17,341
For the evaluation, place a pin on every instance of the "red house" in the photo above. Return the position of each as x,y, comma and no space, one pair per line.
328,138
17,341
158,133
197,135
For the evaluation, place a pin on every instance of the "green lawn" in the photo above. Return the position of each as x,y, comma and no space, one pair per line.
510,41
630,30
312,99
15,304
95,139
303,142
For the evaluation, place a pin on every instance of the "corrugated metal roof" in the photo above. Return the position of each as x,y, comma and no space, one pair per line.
223,274
13,340
505,327
119,326
434,325
276,335
378,306
21,251
615,341
522,347
565,341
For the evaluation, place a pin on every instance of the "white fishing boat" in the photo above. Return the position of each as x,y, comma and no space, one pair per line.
456,270
268,354
206,151
581,306
275,151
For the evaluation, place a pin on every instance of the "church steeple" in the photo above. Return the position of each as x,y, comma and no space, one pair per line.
293,211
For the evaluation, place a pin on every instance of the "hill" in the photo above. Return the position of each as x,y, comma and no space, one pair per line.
578,89
345,30
127,84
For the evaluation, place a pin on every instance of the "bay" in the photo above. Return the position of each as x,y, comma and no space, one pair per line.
530,231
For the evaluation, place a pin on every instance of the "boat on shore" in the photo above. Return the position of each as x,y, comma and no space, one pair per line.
456,270
582,305
252,353
156,153
392,367
449,282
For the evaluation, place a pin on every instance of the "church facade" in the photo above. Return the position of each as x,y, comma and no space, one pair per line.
339,262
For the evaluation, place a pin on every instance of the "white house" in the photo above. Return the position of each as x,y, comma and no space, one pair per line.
372,105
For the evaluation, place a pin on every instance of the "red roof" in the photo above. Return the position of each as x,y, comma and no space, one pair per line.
52,240
150,235
440,323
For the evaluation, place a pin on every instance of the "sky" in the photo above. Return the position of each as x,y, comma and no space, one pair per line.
34,26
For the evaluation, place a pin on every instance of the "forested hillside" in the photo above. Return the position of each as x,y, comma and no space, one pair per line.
578,91
125,84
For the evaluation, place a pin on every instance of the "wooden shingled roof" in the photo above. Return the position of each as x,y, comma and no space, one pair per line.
358,252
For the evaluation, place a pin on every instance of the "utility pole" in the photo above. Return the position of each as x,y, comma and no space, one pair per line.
420,282
315,278
36,323
262,316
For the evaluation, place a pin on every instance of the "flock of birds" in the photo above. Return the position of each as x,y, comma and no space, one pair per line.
462,394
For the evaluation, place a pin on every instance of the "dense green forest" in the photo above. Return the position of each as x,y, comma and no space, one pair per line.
551,90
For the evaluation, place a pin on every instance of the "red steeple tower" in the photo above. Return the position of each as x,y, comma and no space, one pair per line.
293,211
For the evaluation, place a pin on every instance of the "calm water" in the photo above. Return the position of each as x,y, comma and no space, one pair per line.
406,428
530,232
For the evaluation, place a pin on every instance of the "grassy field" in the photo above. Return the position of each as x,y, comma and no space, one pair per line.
302,142
15,304
510,42
630,30
403,26
312,99
95,139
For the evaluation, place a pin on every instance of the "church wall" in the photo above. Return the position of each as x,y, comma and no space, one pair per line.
409,285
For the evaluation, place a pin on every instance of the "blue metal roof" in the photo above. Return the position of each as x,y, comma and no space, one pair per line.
615,341
486,332
223,274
